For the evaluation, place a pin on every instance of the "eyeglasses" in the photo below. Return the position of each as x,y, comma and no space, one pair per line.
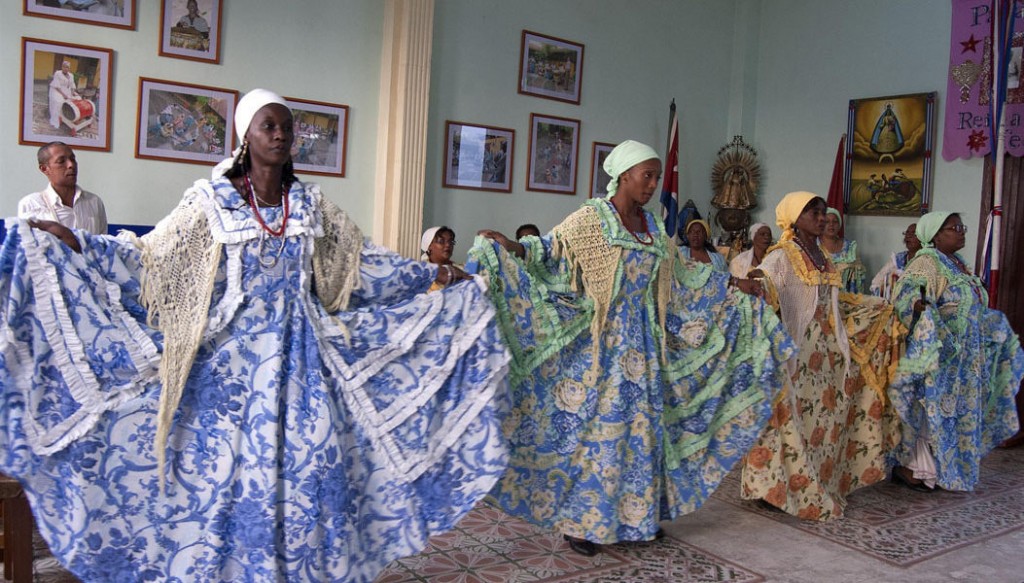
961,228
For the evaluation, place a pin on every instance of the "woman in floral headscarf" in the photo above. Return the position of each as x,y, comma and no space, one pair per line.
639,379
955,387
831,431
250,392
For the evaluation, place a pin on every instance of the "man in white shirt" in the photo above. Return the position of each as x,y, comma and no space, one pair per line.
62,200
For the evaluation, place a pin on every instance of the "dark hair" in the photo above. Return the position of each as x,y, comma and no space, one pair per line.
444,229
43,154
526,227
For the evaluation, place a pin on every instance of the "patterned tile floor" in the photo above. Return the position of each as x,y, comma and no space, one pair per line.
901,527
489,546
907,535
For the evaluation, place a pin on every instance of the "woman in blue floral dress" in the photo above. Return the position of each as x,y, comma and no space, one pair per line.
251,392
955,386
639,379
843,253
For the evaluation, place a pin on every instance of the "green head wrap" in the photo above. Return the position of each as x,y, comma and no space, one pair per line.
834,211
928,226
622,158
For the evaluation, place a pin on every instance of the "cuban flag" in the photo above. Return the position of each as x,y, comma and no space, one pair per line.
670,179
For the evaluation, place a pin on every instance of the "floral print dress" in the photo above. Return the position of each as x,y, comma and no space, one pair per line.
831,432
851,270
955,387
307,446
605,450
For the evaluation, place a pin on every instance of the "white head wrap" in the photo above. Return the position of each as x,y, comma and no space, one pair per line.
426,240
247,107
755,228
622,158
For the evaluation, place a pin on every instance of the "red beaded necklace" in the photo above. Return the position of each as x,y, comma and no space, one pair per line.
643,222
256,207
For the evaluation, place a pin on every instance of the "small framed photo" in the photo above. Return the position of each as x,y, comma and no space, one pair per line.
554,151
184,123
113,13
599,179
65,94
190,29
478,157
550,67
321,132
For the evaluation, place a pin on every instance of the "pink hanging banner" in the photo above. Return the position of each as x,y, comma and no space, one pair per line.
969,127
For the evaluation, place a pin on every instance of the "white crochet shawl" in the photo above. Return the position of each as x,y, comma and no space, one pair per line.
180,258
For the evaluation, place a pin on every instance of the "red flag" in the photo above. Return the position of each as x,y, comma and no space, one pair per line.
835,188
670,181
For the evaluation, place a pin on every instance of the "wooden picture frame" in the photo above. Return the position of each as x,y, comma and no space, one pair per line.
890,147
554,154
112,13
550,67
599,179
65,94
182,122
478,157
190,29
321,136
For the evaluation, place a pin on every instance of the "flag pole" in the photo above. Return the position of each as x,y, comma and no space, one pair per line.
999,68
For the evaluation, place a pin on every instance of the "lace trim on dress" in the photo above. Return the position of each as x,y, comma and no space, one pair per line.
69,353
379,424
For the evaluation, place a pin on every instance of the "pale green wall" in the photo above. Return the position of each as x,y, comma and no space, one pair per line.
780,72
814,57
324,50
638,56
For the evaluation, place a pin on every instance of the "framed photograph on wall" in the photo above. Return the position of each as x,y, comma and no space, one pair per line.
113,13
321,133
599,179
550,67
65,94
190,29
478,157
554,151
889,146
184,123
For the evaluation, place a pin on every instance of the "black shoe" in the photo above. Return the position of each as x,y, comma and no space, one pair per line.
897,478
765,505
659,535
582,546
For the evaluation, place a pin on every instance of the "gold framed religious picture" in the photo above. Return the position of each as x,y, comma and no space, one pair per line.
550,67
599,179
65,94
321,133
478,157
554,151
190,29
181,122
889,155
112,13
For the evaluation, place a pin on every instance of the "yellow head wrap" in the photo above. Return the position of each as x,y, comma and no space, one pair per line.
789,209
707,227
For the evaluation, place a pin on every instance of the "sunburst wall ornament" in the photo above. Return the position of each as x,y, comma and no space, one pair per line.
735,176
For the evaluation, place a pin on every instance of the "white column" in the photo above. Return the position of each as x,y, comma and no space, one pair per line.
402,124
